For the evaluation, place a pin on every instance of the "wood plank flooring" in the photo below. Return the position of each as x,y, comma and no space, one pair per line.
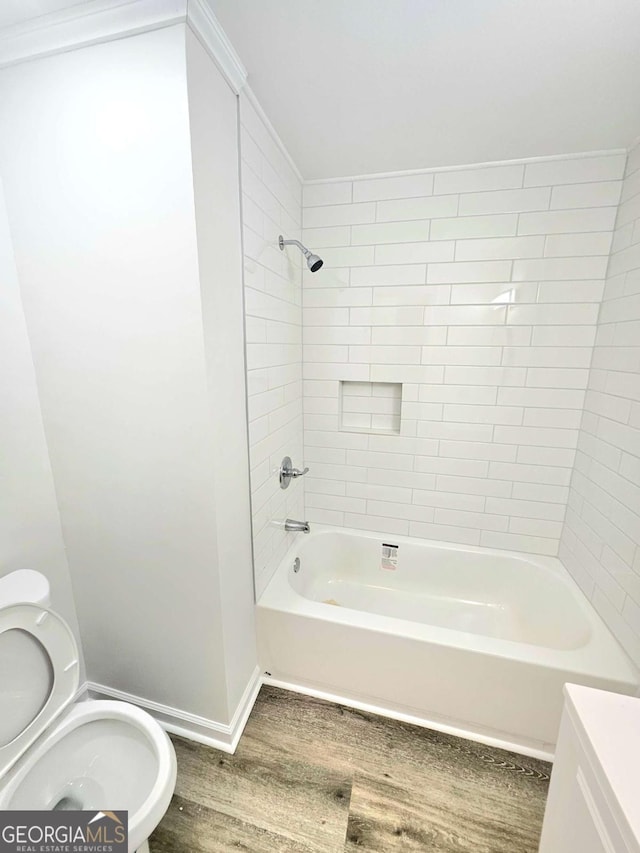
314,777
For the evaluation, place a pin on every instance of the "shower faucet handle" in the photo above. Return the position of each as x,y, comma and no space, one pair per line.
296,472
288,473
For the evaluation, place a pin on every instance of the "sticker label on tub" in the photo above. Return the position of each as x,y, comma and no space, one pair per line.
389,558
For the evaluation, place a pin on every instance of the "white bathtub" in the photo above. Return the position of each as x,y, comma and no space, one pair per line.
473,641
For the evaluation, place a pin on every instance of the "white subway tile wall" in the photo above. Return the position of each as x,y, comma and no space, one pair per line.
271,204
478,290
601,538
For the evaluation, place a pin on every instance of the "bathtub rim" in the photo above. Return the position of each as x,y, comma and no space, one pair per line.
592,659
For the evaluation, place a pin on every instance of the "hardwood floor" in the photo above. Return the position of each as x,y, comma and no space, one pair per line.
313,777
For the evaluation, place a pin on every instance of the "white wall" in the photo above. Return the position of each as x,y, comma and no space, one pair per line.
271,205
478,290
95,150
601,538
30,531
213,114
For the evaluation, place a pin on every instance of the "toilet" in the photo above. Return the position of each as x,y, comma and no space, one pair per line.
59,754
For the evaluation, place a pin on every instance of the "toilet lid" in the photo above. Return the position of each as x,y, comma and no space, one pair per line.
38,673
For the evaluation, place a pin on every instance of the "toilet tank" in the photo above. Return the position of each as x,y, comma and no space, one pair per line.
24,586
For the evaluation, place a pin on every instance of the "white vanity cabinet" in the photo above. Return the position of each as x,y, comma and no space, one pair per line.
594,797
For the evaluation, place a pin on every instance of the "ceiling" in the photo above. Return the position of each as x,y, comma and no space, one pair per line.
360,86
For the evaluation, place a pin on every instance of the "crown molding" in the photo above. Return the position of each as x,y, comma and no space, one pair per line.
85,24
208,30
98,21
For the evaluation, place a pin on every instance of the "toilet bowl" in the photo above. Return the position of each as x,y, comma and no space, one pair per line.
59,754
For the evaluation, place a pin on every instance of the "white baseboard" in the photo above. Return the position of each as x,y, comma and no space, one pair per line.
533,749
209,732
226,737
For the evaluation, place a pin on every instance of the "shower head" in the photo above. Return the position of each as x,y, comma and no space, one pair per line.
313,261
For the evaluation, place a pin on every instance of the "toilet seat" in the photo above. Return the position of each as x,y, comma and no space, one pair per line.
54,636
95,754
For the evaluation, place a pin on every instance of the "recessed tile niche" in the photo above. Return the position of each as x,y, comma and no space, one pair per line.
370,407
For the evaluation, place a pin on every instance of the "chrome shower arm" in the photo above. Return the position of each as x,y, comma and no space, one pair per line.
313,261
282,243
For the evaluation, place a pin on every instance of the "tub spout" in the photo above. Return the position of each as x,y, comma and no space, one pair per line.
292,525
